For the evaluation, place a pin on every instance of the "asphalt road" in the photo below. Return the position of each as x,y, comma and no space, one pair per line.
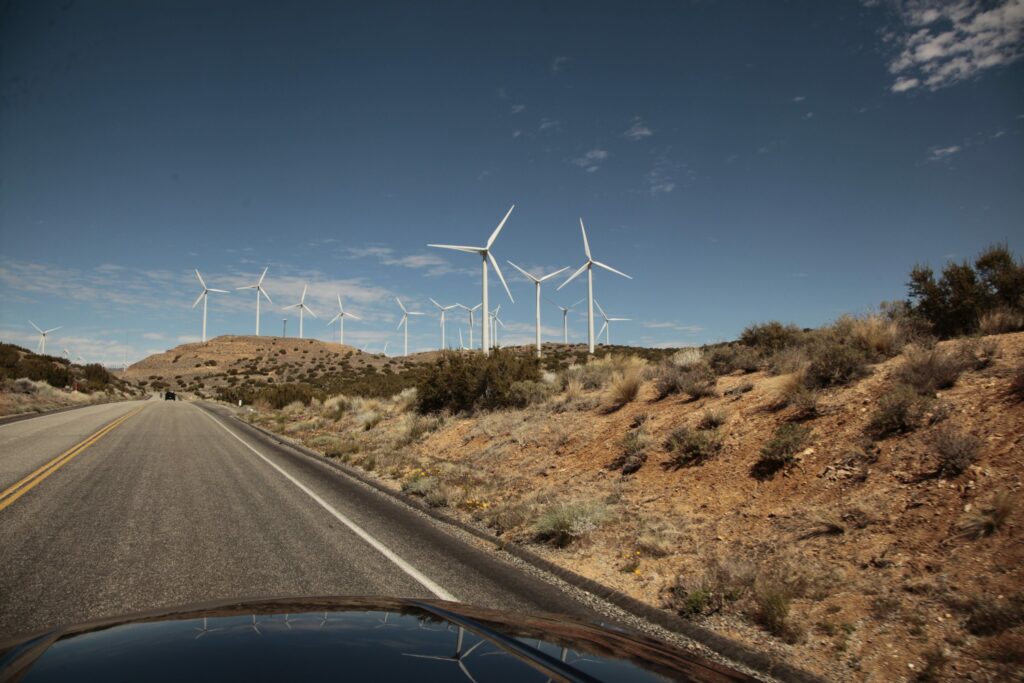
174,505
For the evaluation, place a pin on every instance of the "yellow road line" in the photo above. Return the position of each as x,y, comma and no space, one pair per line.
26,484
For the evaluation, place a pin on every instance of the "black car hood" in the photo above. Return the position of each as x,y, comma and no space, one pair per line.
350,639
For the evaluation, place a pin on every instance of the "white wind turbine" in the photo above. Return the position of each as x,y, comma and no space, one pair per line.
485,255
472,324
342,314
462,345
259,290
607,324
444,310
565,318
536,282
589,267
203,295
41,346
405,321
495,321
302,308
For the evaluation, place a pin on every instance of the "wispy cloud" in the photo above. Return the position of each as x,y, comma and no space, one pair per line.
666,175
799,98
638,130
672,325
942,153
942,42
808,116
545,124
433,264
518,108
558,63
592,159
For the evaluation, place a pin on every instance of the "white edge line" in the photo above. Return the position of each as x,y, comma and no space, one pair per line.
356,529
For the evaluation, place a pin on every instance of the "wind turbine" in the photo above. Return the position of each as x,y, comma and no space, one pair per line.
536,282
462,345
259,290
41,346
302,308
405,321
565,318
485,255
444,310
495,321
67,354
385,351
589,267
607,325
203,295
472,324
341,320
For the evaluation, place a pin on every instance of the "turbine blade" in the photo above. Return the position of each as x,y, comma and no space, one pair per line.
54,329
615,320
310,311
494,235
352,315
602,328
340,307
603,315
472,250
494,262
476,307
222,291
415,313
246,287
302,299
574,275
578,302
199,298
586,244
404,317
436,304
400,305
200,278
289,307
260,281
607,267
264,292
35,326
333,319
551,275
522,271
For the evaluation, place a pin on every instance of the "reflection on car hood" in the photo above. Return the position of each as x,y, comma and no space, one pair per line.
354,639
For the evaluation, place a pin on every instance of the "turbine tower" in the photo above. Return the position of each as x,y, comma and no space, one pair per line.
565,318
342,314
495,321
589,267
203,295
536,282
405,321
302,308
259,290
41,346
472,324
485,255
607,324
444,310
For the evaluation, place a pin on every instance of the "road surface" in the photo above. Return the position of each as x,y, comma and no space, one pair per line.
130,506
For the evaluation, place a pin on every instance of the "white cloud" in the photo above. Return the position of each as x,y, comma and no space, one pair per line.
942,43
154,336
808,116
799,98
516,133
557,63
942,153
638,130
592,159
665,176
518,108
549,123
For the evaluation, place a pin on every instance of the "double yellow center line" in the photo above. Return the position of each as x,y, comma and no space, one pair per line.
16,491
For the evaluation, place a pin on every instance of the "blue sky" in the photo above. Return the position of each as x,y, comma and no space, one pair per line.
743,161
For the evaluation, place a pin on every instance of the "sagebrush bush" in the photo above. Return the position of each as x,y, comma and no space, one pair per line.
956,451
926,370
788,360
771,336
877,336
793,391
731,358
899,410
833,364
563,523
986,521
687,357
634,451
1001,321
624,388
696,381
780,451
464,383
712,419
689,447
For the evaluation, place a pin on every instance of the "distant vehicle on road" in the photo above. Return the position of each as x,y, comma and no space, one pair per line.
170,396
359,639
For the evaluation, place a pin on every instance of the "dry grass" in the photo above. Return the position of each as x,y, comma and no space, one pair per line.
561,524
688,357
878,336
1001,321
899,410
956,451
990,519
623,388
928,370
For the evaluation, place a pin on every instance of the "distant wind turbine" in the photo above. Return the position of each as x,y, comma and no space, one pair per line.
386,347
495,321
471,312
565,318
405,321
536,282
462,345
204,295
41,347
67,354
589,267
485,254
444,310
340,317
302,308
259,290
607,324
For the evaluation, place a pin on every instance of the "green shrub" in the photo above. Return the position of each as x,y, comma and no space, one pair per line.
833,363
563,523
689,447
281,395
734,357
528,392
463,383
696,381
771,336
899,410
928,370
634,451
44,369
780,451
712,419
